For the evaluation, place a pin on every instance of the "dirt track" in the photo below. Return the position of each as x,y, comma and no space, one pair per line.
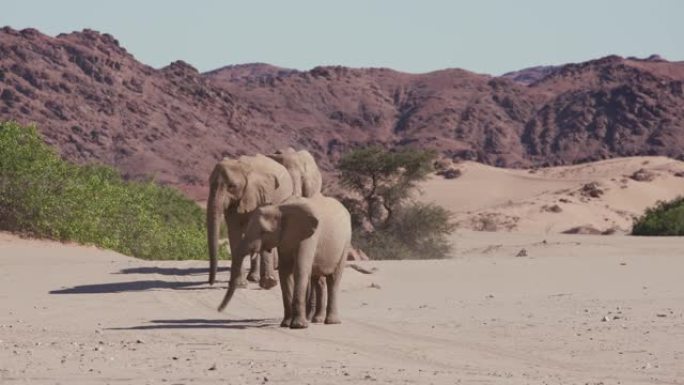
72,314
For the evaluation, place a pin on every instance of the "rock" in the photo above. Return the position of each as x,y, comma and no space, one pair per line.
586,229
522,253
605,319
213,367
552,208
450,173
374,285
591,190
643,175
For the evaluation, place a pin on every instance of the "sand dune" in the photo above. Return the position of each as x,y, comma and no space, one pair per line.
552,200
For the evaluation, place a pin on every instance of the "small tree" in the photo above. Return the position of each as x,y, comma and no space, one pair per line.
386,223
384,179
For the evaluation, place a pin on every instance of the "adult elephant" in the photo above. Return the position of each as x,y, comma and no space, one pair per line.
313,237
307,182
237,187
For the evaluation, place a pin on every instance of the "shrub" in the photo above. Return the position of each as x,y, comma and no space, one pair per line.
418,231
45,196
665,218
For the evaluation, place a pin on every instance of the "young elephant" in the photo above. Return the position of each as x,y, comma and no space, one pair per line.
313,236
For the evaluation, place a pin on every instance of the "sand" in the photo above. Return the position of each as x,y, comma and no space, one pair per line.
496,199
577,309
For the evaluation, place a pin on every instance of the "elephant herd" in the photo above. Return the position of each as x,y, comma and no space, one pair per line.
275,214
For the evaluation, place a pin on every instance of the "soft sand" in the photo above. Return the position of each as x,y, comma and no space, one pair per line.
73,314
578,309
486,197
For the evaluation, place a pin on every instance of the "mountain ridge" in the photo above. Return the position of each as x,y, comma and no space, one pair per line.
95,102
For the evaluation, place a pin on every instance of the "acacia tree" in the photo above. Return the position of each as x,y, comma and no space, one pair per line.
395,227
384,179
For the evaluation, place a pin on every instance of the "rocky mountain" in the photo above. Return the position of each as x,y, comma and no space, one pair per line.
95,102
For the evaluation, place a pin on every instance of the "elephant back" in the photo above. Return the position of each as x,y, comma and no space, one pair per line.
307,180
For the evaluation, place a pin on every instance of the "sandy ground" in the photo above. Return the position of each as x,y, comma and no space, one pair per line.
552,200
577,310
573,309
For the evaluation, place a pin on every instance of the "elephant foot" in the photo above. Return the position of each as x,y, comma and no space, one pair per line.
299,323
318,319
332,319
253,276
241,283
268,282
286,323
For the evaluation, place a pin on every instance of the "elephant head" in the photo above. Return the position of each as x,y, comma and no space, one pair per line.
239,186
284,226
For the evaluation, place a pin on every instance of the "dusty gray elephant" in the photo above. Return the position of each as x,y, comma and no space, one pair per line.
313,236
306,182
237,188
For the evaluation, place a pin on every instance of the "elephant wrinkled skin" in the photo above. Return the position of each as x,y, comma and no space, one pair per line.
307,182
237,188
313,237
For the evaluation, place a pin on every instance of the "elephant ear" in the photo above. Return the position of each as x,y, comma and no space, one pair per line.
299,221
258,191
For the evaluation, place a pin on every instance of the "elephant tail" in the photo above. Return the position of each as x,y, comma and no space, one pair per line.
214,210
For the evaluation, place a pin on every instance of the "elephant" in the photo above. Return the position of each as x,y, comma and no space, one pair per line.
306,182
237,188
306,177
313,237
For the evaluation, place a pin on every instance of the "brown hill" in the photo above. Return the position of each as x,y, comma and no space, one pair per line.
95,102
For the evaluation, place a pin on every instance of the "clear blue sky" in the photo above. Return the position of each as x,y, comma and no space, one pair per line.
413,36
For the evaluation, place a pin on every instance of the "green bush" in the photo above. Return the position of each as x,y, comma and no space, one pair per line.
45,196
418,231
665,218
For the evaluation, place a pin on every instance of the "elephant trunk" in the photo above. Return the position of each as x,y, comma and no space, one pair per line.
235,268
214,211
228,296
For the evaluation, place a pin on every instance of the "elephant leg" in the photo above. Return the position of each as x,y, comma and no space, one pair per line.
310,300
268,275
286,287
320,296
302,278
234,237
333,282
254,268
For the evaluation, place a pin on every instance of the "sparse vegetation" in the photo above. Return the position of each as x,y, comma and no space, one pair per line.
387,224
665,218
45,196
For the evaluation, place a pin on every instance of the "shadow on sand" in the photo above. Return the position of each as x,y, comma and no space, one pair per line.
120,287
197,323
170,270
